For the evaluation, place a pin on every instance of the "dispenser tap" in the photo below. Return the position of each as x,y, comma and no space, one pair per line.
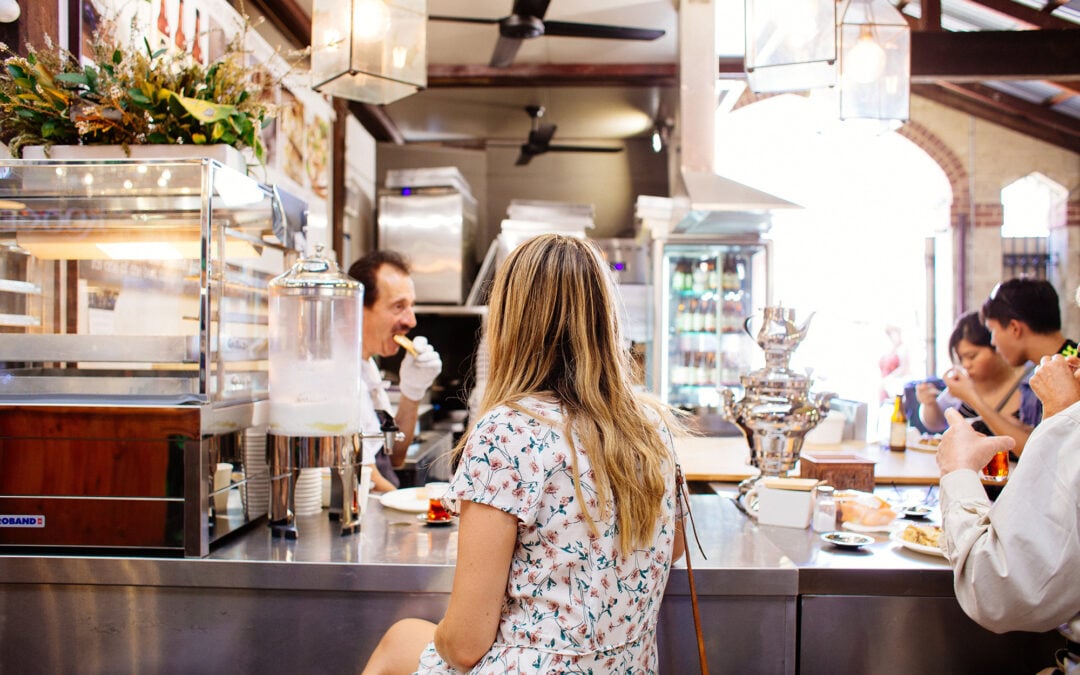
389,428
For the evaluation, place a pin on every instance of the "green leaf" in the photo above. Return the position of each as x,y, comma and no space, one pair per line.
138,97
118,56
73,78
205,111
198,139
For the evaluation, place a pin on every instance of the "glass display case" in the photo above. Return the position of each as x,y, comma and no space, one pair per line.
134,351
139,280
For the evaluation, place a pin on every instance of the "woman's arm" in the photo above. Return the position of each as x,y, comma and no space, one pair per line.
486,540
929,410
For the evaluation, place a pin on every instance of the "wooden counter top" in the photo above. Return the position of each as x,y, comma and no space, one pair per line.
724,459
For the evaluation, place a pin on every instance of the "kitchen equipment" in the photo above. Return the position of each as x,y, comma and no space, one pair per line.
430,215
777,408
133,351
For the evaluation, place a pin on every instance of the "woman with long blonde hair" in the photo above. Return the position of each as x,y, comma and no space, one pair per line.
565,489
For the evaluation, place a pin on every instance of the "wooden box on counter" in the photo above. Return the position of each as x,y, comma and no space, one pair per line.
844,471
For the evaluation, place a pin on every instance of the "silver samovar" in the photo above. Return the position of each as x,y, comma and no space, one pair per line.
777,408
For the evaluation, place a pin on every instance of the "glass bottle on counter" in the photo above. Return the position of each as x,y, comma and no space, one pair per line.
898,426
824,518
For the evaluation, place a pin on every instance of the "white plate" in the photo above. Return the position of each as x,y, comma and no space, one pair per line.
918,548
410,500
922,447
847,539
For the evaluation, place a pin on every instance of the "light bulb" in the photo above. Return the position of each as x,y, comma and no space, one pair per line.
866,60
657,144
371,20
9,11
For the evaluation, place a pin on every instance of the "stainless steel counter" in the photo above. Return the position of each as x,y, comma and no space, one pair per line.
769,597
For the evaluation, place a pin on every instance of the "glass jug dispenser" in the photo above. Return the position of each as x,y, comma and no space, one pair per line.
316,318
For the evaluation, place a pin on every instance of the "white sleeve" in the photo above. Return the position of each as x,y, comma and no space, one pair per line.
1017,563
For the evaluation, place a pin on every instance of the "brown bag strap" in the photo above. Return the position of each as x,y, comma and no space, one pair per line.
684,508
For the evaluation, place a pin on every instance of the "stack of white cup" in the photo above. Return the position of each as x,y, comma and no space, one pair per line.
309,492
257,472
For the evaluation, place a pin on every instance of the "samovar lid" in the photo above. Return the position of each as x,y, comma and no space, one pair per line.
315,273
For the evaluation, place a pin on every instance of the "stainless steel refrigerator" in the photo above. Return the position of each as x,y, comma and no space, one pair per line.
706,287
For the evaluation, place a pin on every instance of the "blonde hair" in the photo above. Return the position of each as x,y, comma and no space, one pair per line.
552,329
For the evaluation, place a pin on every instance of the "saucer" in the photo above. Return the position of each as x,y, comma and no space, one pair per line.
422,517
847,539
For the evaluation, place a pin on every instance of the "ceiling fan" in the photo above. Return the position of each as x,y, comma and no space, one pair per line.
540,140
526,21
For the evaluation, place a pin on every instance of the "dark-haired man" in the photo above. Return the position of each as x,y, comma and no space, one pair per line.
1024,320
389,299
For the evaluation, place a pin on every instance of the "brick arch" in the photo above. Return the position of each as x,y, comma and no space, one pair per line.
950,163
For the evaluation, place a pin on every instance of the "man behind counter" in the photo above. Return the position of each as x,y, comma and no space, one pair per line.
389,299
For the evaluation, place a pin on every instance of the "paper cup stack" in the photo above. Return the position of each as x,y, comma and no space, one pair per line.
257,472
309,492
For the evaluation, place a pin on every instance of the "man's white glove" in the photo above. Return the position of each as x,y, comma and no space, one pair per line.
418,372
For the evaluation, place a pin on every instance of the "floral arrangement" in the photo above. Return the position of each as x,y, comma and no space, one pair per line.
133,95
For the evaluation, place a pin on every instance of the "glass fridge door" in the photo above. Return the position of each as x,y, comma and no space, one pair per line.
707,290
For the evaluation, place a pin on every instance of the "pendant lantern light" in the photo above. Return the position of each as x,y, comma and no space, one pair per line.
373,51
865,53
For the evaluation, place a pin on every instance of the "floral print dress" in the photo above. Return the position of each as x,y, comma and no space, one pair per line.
574,604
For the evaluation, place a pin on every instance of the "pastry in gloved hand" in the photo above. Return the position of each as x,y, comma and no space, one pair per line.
419,371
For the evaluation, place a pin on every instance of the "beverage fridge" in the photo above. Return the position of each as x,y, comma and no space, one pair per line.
705,290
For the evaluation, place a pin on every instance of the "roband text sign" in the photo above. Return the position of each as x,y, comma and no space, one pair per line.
22,521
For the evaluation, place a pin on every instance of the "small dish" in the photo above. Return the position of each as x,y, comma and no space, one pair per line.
916,511
422,517
847,539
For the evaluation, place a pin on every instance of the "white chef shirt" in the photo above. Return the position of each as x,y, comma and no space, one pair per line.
1016,563
374,398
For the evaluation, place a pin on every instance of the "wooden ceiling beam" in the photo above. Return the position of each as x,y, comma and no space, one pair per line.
1033,112
377,122
1033,17
935,56
555,75
994,55
288,17
972,105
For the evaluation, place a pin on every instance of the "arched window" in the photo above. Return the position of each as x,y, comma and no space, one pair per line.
1032,205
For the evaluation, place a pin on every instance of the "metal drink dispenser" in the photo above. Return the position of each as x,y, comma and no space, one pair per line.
316,316
777,408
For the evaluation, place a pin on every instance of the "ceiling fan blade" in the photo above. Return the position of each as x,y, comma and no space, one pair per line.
505,51
602,31
524,157
463,19
541,136
581,148
535,8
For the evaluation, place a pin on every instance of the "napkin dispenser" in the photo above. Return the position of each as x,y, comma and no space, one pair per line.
787,502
